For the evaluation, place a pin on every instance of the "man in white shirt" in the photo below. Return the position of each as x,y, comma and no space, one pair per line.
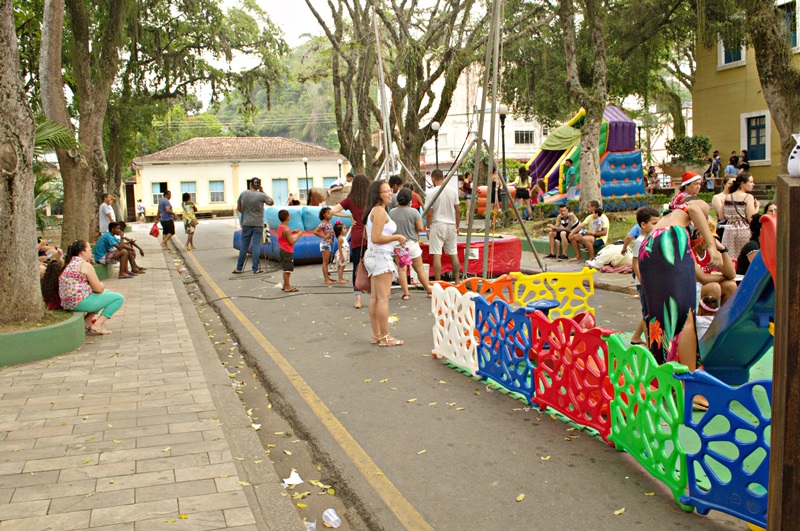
106,213
442,221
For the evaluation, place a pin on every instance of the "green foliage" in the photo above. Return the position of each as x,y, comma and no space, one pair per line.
51,136
689,150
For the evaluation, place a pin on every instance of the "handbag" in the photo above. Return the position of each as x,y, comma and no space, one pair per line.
362,282
195,222
154,230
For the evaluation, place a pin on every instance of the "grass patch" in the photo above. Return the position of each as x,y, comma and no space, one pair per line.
51,317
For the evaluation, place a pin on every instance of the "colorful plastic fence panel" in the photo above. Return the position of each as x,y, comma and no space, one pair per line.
734,447
571,374
646,411
454,329
490,289
504,345
566,288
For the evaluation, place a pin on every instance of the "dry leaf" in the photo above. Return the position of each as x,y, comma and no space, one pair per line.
520,497
619,511
649,493
239,458
287,452
170,521
432,404
117,441
243,483
385,380
302,505
331,492
460,408
182,516
421,452
545,458
411,400
167,449
259,461
368,380
86,462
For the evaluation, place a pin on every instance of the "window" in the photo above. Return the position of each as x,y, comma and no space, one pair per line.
523,137
158,190
755,132
303,184
191,189
216,190
790,15
327,182
545,131
731,56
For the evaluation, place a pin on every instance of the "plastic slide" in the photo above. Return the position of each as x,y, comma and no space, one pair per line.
739,334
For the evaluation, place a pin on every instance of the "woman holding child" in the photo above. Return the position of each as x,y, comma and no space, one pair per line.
379,260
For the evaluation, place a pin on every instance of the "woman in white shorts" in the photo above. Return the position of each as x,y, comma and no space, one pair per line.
379,260
409,224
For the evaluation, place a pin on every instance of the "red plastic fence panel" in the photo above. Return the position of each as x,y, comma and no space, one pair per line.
571,375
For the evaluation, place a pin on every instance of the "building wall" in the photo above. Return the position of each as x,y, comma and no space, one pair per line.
234,176
722,95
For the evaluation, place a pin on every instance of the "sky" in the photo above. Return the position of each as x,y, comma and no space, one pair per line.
294,17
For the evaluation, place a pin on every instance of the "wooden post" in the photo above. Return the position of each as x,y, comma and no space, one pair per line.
784,468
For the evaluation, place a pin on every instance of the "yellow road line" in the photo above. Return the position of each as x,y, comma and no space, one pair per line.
394,499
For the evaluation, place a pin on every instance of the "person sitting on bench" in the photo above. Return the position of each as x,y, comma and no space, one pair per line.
592,233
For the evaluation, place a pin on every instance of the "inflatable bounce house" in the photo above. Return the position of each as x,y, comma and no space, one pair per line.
304,218
620,161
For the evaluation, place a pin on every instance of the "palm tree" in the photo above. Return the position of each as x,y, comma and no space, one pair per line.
49,137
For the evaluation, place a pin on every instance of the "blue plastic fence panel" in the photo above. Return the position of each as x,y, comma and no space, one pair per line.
730,471
504,345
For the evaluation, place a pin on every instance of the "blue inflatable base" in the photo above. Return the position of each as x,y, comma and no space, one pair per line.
306,250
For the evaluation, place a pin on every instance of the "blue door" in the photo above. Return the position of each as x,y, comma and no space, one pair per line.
280,191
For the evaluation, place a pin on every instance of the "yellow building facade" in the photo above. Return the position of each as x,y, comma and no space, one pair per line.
729,105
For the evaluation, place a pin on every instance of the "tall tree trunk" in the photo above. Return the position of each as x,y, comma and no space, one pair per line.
20,294
74,167
779,75
592,99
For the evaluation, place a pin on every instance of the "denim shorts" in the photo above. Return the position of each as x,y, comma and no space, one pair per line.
325,246
379,261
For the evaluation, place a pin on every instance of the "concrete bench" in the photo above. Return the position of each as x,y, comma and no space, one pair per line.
103,271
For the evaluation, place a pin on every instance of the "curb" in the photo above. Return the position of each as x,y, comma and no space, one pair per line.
359,495
44,342
271,510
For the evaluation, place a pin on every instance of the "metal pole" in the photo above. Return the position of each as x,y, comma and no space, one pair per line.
495,62
436,143
387,131
503,149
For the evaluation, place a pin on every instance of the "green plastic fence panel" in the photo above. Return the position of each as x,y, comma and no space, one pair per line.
646,412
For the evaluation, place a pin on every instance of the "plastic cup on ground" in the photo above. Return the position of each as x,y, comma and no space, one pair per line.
331,518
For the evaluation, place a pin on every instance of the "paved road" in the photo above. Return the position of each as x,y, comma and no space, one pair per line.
413,442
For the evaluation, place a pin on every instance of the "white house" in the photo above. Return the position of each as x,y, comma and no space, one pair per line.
216,170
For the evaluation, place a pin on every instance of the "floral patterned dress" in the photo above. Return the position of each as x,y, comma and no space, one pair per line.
73,286
666,264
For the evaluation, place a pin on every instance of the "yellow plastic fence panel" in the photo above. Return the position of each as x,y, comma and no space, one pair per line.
567,288
490,289
454,327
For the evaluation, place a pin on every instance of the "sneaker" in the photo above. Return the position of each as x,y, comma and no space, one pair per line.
550,256
562,257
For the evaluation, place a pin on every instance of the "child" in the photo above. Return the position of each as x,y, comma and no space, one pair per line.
130,246
189,219
325,231
286,240
708,309
646,217
343,254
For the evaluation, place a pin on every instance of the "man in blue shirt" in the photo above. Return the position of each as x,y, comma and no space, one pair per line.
167,218
107,252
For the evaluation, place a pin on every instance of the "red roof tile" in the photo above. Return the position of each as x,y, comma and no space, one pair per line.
239,148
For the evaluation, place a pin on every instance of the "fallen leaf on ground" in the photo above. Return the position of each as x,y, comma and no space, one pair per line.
243,483
619,511
302,505
411,400
368,380
649,493
421,452
520,497
287,452
182,516
545,458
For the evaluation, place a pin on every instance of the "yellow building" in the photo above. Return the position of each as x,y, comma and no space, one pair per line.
729,105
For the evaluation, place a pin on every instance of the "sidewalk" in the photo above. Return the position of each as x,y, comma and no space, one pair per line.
140,429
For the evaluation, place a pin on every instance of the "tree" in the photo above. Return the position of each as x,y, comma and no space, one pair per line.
20,295
591,98
425,49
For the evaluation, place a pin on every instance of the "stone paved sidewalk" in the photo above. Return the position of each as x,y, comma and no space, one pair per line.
139,429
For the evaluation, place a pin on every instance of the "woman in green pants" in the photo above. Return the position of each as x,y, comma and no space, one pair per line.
81,291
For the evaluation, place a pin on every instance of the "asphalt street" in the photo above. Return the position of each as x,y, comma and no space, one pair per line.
412,442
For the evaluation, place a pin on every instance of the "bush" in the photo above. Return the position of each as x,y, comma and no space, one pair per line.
689,150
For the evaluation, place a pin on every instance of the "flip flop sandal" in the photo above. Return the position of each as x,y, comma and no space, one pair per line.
291,290
258,272
406,297
639,343
236,272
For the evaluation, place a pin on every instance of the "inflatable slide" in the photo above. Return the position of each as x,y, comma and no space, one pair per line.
620,161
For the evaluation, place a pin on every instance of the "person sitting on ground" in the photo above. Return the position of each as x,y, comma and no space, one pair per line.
131,246
750,249
48,252
558,232
78,289
705,315
107,251
713,281
592,233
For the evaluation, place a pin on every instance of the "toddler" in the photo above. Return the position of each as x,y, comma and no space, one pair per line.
325,231
708,309
286,240
343,254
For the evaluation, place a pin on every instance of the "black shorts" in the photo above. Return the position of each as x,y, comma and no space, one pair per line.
523,193
495,198
168,227
287,261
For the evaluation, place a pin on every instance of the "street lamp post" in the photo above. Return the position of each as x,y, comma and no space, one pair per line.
308,191
503,111
339,162
435,126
